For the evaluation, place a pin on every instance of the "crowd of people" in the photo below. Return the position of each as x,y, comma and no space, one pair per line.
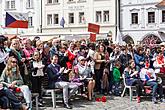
99,67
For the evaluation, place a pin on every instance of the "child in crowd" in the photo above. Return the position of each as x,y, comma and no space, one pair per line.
116,78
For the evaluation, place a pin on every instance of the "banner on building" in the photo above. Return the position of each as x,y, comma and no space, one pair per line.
93,28
92,37
16,20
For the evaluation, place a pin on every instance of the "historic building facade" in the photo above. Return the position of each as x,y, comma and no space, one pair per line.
70,18
142,21
31,7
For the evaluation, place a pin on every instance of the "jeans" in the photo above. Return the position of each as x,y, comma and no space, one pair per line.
154,86
116,89
4,102
9,97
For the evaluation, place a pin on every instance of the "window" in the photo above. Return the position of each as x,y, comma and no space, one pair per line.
71,18
29,4
30,21
151,17
98,16
56,1
106,16
49,1
7,4
13,4
49,19
163,16
134,18
81,17
55,18
10,4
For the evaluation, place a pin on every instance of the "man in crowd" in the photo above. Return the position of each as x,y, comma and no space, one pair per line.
55,73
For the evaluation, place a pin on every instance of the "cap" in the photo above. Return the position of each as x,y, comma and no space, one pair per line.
81,58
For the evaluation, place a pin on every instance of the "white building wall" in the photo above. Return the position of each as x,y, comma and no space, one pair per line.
21,6
142,29
89,7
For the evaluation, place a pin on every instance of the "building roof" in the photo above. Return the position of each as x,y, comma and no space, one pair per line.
161,4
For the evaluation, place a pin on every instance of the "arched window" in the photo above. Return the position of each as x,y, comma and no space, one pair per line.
128,39
151,39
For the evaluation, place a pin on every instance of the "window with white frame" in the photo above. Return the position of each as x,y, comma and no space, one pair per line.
7,4
56,1
98,16
10,4
29,4
13,4
71,18
56,19
134,18
49,19
30,21
106,16
81,17
163,16
49,1
151,17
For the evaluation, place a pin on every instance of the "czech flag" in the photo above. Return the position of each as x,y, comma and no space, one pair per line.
16,20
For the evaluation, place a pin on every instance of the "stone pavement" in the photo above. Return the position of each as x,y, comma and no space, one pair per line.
113,103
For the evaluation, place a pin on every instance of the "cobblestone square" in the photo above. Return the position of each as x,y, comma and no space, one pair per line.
113,103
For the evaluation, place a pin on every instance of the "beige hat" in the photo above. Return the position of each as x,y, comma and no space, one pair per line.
81,58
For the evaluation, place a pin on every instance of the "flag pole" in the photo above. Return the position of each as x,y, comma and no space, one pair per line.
17,31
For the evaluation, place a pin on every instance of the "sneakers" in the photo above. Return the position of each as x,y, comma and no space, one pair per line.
154,100
138,99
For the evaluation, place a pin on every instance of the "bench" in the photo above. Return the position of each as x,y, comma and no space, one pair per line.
52,91
36,95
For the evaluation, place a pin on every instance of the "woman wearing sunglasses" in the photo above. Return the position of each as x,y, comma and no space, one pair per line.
12,78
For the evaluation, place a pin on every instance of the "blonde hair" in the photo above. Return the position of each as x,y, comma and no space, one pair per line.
38,43
8,68
15,40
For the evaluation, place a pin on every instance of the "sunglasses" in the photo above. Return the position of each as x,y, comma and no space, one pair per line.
14,61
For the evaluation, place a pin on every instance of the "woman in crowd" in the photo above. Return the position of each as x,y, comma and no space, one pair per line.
7,98
36,70
17,53
71,56
84,72
159,63
132,78
40,47
12,78
139,58
100,62
3,54
114,56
